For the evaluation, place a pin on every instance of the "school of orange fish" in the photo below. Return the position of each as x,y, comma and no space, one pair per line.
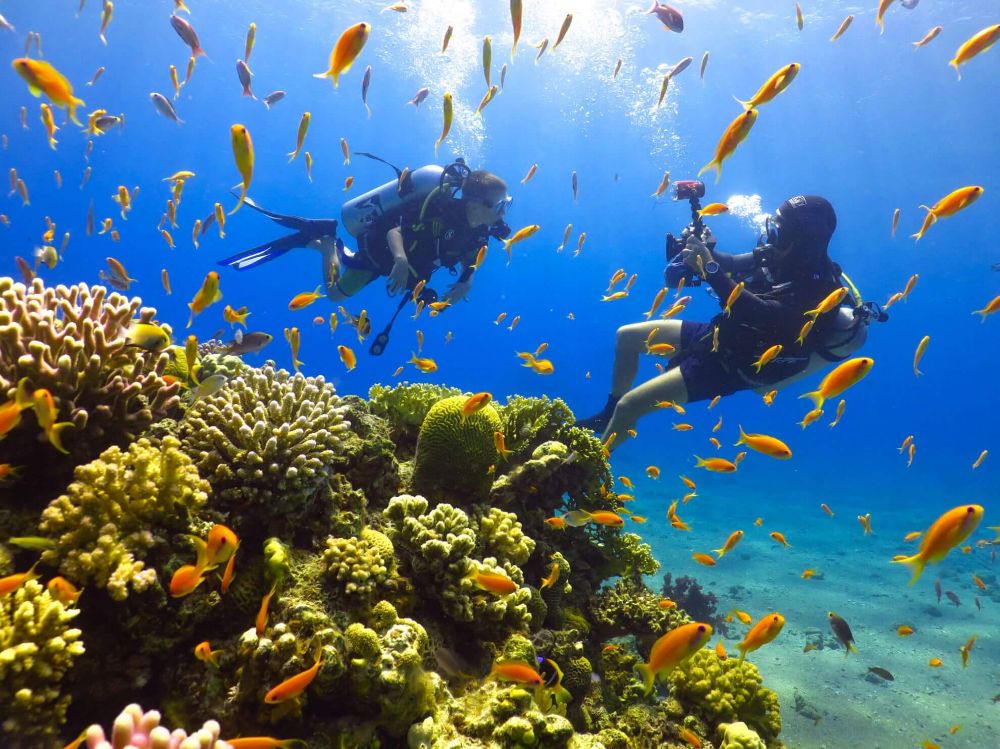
952,529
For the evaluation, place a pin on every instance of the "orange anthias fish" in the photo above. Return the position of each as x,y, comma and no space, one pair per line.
840,379
261,622
518,672
734,538
552,578
10,583
735,134
947,532
10,412
303,300
186,579
577,518
209,293
63,590
203,652
42,78
979,42
347,48
475,403
493,582
293,686
266,742
772,87
761,633
716,465
243,154
762,443
672,649
949,205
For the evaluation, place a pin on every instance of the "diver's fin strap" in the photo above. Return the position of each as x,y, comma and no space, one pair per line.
324,226
373,157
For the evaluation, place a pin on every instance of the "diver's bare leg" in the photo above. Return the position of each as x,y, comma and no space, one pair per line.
639,401
630,342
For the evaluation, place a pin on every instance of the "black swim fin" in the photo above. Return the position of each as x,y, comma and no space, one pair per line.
308,229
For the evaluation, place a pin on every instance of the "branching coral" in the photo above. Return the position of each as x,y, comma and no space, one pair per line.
72,341
359,567
438,544
37,648
724,691
501,535
454,453
266,442
406,405
630,608
119,507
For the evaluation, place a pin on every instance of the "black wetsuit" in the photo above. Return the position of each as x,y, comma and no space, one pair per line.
769,311
443,238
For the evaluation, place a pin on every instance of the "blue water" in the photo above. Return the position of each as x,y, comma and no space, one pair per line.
870,123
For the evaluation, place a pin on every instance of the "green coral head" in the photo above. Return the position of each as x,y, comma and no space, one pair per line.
277,559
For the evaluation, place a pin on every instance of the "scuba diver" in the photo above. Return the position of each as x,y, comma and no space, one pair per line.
786,275
406,229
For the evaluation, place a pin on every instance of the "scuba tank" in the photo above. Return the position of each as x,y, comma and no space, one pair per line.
359,214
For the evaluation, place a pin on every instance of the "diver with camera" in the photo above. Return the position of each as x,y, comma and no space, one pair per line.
784,279
407,228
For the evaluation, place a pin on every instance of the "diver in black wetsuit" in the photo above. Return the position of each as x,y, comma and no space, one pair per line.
405,230
788,274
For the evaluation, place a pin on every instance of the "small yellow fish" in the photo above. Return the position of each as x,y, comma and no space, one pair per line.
203,652
345,51
243,155
303,300
347,357
976,44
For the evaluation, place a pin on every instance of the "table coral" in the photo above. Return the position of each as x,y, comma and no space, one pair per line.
72,341
454,454
37,649
118,508
266,443
726,691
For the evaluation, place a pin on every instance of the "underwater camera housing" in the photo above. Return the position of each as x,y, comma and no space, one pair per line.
691,190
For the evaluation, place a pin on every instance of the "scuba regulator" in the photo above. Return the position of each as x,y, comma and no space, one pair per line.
693,191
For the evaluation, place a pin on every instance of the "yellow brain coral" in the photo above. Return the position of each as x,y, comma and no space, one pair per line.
454,455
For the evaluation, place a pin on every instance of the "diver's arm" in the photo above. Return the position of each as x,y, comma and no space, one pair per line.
747,305
394,237
737,265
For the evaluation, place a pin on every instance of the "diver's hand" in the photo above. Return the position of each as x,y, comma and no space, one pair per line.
399,275
693,250
326,243
457,291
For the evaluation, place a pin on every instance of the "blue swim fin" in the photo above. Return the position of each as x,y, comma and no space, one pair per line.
307,230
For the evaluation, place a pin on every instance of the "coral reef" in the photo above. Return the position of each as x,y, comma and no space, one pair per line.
501,535
739,736
630,608
360,567
118,508
72,341
455,455
725,691
688,594
37,648
267,442
385,676
438,544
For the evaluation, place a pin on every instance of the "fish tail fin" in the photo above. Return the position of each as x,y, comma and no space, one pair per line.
646,674
743,653
720,552
55,435
745,104
190,319
72,105
368,110
577,518
982,313
815,396
195,51
713,164
239,203
325,74
700,461
743,435
851,648
954,64
915,565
